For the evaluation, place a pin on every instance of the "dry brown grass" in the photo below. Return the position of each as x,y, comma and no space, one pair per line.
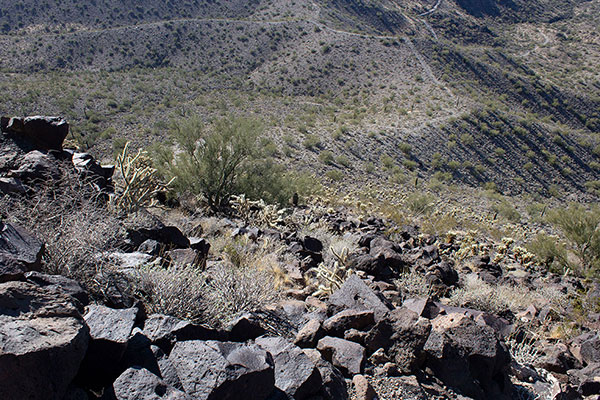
70,217
214,296
477,294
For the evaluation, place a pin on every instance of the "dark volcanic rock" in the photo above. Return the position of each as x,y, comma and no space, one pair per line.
355,294
59,282
19,252
295,373
334,384
184,257
141,384
402,336
312,244
590,350
110,330
44,133
245,327
558,359
164,331
37,165
587,379
139,353
348,356
89,168
309,334
348,319
11,185
43,340
211,370
468,357
146,226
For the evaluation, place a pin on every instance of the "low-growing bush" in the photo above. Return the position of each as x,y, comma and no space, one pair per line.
222,160
419,203
215,296
581,227
549,252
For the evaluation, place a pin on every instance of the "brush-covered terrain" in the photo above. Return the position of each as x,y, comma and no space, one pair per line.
485,92
296,199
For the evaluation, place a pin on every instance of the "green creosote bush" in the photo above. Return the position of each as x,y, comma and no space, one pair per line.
549,252
326,157
221,160
507,210
581,228
420,203
311,141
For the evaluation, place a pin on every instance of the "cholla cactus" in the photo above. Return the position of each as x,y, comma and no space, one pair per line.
137,183
469,245
329,279
258,212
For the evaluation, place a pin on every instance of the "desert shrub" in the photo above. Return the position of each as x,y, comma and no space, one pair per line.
410,164
311,141
497,299
405,148
419,203
176,291
246,281
221,160
334,175
467,139
343,160
387,161
69,215
507,210
326,157
580,226
412,285
233,291
549,252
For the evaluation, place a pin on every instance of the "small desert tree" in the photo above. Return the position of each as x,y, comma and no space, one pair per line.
582,228
220,160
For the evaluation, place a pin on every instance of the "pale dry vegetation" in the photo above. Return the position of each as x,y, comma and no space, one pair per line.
497,299
69,216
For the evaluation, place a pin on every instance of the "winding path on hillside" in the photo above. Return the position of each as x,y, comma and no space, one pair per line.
432,10
424,65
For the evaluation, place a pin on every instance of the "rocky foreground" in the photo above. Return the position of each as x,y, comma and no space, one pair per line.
366,338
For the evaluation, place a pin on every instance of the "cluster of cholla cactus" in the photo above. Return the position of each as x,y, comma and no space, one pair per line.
507,252
137,184
257,212
329,279
468,244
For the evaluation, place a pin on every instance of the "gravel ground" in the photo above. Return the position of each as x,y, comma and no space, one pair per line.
403,388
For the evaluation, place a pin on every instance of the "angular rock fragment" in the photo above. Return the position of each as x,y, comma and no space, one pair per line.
355,294
211,370
43,340
348,356
110,330
44,133
348,319
141,384
402,335
19,252
334,384
164,331
295,373
468,357
309,334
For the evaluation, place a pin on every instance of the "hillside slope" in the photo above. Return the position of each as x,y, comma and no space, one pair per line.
496,90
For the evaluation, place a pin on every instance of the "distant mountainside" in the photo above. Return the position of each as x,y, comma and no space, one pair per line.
503,92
